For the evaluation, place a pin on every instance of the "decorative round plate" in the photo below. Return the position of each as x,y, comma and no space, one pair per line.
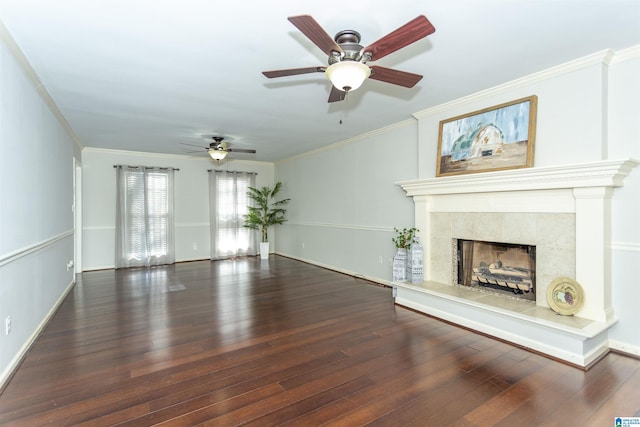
565,296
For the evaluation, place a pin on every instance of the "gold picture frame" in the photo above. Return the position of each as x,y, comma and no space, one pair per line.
495,138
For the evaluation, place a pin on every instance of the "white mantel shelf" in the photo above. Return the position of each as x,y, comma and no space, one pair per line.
609,173
581,191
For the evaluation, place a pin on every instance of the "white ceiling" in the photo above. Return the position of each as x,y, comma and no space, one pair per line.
148,75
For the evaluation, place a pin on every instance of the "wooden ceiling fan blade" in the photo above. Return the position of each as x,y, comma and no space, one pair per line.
240,150
293,71
193,145
410,32
336,95
314,32
396,77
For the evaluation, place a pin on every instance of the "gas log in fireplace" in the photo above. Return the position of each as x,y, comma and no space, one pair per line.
503,267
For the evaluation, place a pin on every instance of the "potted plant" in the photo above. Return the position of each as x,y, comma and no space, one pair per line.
402,240
265,213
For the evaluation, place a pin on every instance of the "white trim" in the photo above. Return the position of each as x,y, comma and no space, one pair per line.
112,227
342,226
602,57
146,155
17,359
625,246
627,54
15,255
192,224
99,227
99,268
77,215
339,270
624,347
594,174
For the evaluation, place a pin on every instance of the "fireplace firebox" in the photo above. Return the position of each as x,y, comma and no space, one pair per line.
503,267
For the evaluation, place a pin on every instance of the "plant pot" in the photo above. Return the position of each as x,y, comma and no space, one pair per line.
264,250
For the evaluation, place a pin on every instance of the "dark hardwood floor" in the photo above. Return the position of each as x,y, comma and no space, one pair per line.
245,342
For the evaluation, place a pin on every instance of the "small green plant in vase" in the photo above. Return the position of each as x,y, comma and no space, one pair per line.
405,237
403,240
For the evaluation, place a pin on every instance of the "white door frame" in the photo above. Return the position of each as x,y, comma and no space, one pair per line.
77,216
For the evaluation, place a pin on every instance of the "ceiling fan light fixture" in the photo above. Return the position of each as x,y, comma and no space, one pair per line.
347,75
217,154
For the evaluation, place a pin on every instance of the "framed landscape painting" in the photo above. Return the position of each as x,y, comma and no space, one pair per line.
496,138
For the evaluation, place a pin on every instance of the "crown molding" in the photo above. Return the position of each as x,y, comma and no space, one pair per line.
627,54
606,57
165,155
131,153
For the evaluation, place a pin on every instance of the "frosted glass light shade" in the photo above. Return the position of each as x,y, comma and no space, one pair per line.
217,154
347,75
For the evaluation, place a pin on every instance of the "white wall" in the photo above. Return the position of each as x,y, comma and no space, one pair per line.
624,141
36,196
191,200
344,203
587,111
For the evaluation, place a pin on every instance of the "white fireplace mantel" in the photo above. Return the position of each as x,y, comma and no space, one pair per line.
582,190
609,173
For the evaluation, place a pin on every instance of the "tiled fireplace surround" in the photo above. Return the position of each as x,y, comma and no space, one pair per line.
563,211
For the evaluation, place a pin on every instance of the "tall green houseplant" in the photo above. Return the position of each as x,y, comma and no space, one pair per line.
265,212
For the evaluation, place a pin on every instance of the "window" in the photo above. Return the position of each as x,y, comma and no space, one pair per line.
145,220
228,203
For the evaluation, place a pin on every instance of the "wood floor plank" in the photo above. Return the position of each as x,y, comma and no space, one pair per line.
611,388
286,343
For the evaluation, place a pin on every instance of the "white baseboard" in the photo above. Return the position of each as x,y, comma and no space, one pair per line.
17,359
339,270
622,347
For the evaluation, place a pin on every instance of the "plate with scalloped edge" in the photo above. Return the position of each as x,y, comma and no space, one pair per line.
565,296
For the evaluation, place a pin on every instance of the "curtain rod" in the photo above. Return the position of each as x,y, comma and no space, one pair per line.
218,170
146,167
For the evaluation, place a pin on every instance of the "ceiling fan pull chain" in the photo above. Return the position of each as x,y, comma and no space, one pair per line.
344,111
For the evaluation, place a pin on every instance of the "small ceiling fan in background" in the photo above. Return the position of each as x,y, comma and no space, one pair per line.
348,67
219,148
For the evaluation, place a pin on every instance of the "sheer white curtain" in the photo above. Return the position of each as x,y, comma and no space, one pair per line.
228,202
145,223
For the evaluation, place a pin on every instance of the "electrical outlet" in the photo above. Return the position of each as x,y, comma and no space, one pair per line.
302,245
7,325
380,261
69,265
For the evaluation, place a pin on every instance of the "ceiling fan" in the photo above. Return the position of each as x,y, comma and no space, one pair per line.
219,148
348,67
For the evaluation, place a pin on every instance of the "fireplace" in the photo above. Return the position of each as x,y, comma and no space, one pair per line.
506,268
558,221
